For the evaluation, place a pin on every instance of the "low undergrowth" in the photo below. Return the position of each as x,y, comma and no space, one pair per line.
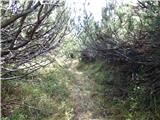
46,95
132,106
42,96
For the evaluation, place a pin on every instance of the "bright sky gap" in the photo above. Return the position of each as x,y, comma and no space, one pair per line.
94,6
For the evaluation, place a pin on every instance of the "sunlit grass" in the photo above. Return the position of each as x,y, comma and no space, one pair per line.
47,98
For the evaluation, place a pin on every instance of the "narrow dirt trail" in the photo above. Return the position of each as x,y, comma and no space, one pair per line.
82,91
84,94
81,96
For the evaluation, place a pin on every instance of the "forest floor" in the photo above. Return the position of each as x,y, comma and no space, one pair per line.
58,93
67,90
86,96
82,95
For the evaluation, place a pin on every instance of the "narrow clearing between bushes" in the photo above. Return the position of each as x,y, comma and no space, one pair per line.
88,101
